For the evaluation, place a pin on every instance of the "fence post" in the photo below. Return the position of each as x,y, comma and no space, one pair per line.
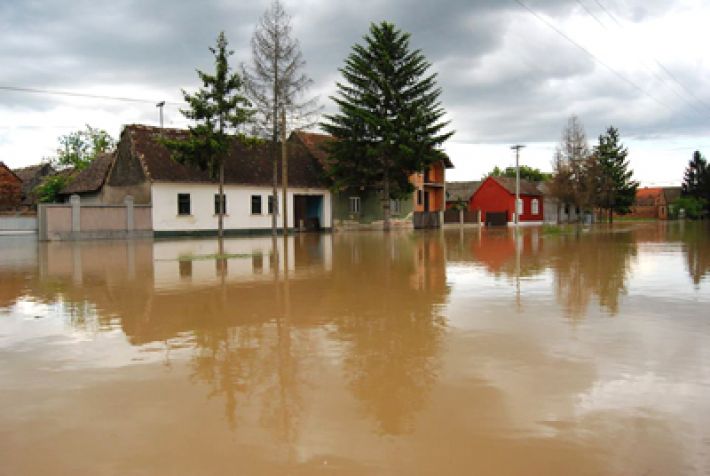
130,221
478,216
75,214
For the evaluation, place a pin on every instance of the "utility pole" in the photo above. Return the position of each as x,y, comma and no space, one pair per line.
517,148
160,106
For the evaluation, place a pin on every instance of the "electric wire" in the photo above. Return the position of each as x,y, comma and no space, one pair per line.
656,60
593,56
83,95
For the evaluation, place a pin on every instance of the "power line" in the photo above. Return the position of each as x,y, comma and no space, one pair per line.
83,95
665,70
589,12
648,69
592,55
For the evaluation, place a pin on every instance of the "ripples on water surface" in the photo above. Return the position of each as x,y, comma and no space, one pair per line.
453,352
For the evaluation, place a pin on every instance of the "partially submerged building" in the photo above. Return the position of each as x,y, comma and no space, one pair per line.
362,207
495,199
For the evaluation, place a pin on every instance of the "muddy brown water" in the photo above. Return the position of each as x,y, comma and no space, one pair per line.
453,352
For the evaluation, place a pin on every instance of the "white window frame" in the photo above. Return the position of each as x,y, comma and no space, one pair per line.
535,206
355,205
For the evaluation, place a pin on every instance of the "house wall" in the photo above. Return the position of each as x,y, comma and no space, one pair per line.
437,198
238,216
492,197
370,208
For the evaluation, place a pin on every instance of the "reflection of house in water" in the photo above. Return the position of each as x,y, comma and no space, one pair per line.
252,333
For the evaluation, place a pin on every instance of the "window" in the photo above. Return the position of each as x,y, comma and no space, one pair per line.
395,207
520,207
216,204
535,206
354,205
271,205
256,204
420,197
183,203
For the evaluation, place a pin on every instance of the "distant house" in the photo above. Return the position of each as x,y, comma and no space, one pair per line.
32,177
495,198
654,202
89,183
10,188
363,206
185,200
458,194
553,210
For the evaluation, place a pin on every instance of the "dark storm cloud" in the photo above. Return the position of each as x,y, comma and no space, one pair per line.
504,75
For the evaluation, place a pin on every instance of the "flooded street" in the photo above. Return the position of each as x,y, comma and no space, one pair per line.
447,352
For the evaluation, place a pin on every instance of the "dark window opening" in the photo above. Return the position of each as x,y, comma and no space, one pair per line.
420,197
216,204
183,203
256,204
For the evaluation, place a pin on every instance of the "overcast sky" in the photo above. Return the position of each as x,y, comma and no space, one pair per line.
508,74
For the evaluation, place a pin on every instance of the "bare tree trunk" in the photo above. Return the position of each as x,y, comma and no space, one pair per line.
220,201
274,138
386,203
284,171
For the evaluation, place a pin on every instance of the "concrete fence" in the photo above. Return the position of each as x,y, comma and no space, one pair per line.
18,224
74,221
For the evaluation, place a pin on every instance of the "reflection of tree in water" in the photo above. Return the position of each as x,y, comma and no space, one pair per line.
227,359
592,264
697,250
389,294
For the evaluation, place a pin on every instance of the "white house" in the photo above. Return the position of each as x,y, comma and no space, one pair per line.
184,199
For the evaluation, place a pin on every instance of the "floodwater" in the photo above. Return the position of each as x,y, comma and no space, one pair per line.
449,352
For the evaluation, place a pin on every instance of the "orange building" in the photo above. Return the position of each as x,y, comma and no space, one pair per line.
654,202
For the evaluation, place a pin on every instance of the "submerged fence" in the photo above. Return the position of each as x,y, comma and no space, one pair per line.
461,216
74,221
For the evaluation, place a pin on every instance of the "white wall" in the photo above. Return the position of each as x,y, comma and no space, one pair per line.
241,266
238,216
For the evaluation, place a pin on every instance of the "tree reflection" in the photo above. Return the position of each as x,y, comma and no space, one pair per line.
391,325
595,264
697,250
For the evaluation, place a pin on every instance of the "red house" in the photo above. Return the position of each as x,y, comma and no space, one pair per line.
495,198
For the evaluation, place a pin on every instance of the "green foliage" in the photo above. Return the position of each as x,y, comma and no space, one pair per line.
610,179
50,187
217,109
389,120
692,206
526,173
78,149
696,182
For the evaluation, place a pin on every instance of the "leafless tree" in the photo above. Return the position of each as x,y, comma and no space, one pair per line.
569,179
276,84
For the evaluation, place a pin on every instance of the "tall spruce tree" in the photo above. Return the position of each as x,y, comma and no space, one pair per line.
219,111
612,184
389,120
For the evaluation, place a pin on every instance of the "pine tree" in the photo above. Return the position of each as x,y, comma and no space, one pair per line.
219,110
613,187
696,174
389,120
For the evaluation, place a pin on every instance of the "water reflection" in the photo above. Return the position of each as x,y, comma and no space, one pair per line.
449,352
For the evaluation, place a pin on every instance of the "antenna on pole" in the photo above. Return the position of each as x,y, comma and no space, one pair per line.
160,106
517,148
